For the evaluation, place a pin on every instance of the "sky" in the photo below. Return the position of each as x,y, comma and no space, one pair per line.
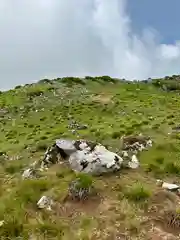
132,39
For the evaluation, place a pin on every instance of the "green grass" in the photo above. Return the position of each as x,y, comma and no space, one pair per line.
34,115
84,180
137,192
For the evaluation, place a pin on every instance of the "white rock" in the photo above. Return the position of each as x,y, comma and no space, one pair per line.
45,203
159,182
83,145
28,173
97,161
149,143
141,147
170,186
34,164
134,163
2,223
67,146
125,154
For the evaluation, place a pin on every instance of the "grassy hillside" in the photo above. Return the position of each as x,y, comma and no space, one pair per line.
129,202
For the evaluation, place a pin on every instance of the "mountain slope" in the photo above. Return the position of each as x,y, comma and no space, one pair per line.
129,202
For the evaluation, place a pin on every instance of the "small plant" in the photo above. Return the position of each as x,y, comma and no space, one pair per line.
137,192
85,180
172,168
160,160
154,168
116,135
81,187
172,218
49,230
41,146
30,190
12,228
44,137
14,166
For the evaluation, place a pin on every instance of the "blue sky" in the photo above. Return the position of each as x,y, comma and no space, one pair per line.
163,15
55,38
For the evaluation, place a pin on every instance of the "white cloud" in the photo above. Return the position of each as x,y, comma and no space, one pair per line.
49,38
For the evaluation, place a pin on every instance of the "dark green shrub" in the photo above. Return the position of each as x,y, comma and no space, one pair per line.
17,87
35,93
116,135
41,146
172,168
72,80
45,81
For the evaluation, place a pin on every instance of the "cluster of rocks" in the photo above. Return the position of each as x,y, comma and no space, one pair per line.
83,156
76,126
87,157
136,144
91,157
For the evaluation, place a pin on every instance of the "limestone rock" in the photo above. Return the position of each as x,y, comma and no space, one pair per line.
52,156
45,203
96,161
66,145
136,143
28,173
88,157
134,163
168,186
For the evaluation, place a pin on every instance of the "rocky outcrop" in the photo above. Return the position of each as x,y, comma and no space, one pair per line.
83,156
94,158
96,161
136,143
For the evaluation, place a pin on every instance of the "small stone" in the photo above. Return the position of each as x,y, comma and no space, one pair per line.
2,223
125,154
45,203
169,186
134,163
28,173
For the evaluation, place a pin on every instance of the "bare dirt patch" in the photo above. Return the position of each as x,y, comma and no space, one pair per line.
103,98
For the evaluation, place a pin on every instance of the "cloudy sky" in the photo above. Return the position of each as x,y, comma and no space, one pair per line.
133,39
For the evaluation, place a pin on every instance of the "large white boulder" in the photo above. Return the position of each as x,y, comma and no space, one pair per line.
96,161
